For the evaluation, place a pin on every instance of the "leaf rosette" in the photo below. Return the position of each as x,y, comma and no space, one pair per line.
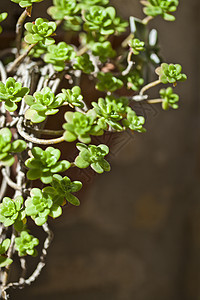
103,50
42,104
12,92
43,203
111,111
164,8
91,155
170,73
65,187
7,148
59,54
80,126
137,46
73,97
108,82
133,121
11,211
103,20
40,31
63,9
170,99
44,164
84,64
26,243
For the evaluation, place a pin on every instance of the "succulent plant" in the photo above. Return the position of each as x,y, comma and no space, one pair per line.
133,121
103,20
57,55
12,92
91,155
170,99
110,111
170,73
133,80
160,7
104,50
38,50
84,4
137,46
108,82
73,96
4,260
25,244
40,31
63,9
3,16
26,3
84,64
7,148
44,164
11,211
65,187
42,104
80,126
42,203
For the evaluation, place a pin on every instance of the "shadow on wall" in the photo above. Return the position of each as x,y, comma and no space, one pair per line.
136,234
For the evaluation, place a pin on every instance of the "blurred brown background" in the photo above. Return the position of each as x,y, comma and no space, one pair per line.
136,234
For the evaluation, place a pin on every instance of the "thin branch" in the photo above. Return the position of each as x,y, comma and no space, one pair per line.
9,181
5,274
3,72
146,20
41,263
150,85
45,131
19,27
153,101
34,140
20,58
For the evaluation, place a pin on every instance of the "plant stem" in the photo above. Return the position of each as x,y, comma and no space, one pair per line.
146,20
45,131
34,140
153,101
82,50
150,85
19,30
20,58
9,181
125,42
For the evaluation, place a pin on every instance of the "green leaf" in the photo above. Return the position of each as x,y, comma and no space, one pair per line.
73,200
5,261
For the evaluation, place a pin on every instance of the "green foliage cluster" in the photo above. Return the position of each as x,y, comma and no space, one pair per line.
40,31
11,211
26,243
12,92
4,260
43,104
165,8
80,126
7,149
111,72
26,3
136,46
170,73
91,155
3,16
44,163
57,55
170,98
